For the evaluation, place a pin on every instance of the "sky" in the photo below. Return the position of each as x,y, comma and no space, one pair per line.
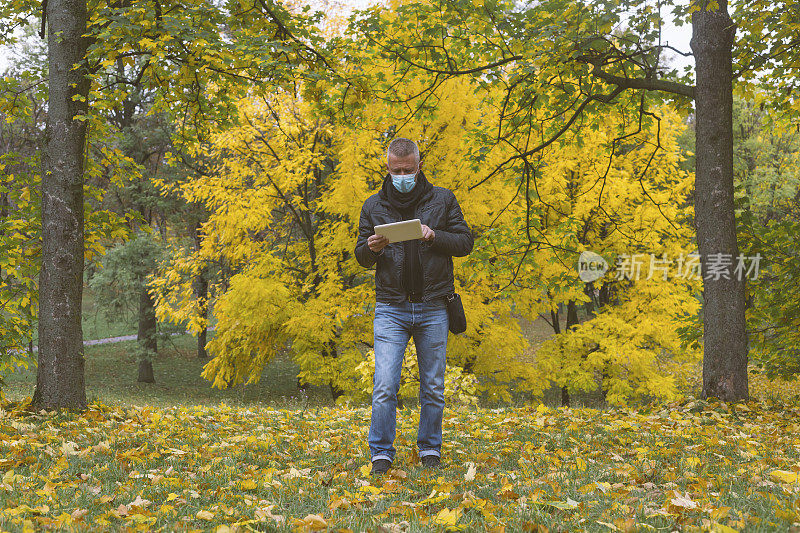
677,37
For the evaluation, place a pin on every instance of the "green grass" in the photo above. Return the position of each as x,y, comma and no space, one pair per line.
533,466
111,372
676,467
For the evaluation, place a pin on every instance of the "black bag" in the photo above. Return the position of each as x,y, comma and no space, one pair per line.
455,313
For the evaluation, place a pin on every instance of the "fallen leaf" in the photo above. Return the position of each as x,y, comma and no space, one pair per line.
471,470
785,476
139,502
78,514
204,515
684,501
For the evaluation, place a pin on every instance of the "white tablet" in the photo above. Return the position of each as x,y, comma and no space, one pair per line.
405,230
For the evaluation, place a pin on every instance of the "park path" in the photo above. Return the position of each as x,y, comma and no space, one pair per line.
122,338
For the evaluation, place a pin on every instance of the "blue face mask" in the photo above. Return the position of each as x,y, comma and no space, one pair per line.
403,182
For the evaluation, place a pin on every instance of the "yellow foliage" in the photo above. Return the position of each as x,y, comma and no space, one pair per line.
459,387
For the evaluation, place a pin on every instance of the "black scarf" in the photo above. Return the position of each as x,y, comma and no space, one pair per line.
403,201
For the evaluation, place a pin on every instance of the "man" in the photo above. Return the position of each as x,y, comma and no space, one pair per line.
411,280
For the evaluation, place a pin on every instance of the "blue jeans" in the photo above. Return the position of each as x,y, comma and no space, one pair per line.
393,325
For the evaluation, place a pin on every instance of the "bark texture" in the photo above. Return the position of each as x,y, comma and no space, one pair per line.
724,329
60,376
146,336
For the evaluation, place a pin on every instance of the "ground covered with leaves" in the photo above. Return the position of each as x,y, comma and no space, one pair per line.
691,466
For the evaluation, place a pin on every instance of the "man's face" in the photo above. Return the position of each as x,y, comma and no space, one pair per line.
408,164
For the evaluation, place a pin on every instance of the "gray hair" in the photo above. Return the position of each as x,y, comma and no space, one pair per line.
402,147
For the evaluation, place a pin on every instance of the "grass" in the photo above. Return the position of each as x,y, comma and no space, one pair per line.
179,455
692,467
111,371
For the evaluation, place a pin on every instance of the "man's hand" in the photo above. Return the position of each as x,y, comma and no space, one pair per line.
427,233
377,242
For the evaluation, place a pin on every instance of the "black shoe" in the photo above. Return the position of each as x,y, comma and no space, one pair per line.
380,466
430,461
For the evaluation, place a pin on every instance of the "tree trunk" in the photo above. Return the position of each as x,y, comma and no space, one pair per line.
200,286
146,371
572,320
147,335
572,315
60,376
724,333
330,351
201,294
564,397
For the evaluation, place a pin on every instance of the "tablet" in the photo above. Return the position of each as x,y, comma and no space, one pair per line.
404,230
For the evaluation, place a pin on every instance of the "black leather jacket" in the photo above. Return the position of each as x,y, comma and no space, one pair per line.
439,210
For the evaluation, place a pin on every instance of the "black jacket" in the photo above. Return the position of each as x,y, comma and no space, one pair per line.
439,210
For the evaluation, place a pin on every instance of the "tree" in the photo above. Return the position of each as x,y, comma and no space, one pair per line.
640,221
296,282
576,60
23,116
120,288
59,380
23,97
768,198
123,31
724,327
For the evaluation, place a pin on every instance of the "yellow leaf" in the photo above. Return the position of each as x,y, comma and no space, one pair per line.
139,501
248,484
78,514
684,501
205,515
719,513
471,470
604,486
716,527
314,522
446,517
784,476
569,504
69,447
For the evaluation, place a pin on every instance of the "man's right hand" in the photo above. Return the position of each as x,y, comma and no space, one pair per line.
377,242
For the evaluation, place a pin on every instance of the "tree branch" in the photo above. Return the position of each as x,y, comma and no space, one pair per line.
643,83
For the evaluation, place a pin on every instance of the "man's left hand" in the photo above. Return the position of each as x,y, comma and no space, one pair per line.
427,233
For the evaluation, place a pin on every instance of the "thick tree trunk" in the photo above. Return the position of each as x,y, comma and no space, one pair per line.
724,333
147,336
60,376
